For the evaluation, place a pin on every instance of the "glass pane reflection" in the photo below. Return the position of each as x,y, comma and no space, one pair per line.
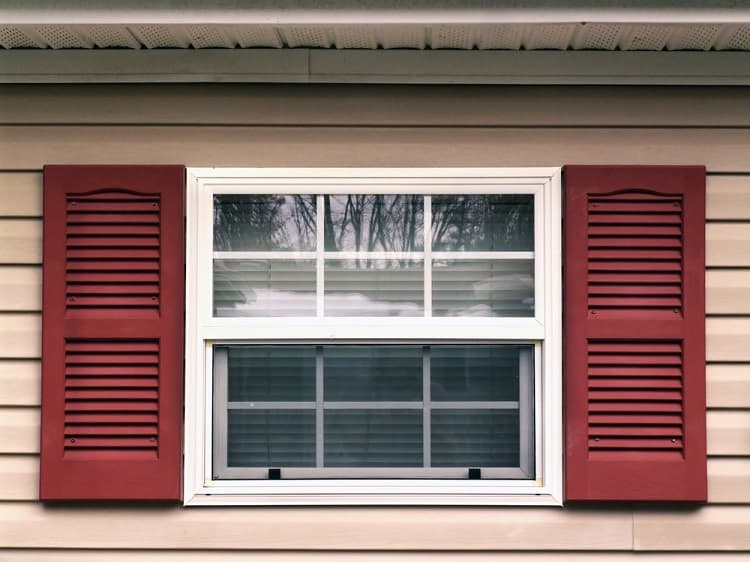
264,288
482,223
374,223
264,222
374,287
483,288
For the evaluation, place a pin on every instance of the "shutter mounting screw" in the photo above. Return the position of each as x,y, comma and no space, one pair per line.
596,439
152,439
73,440
674,440
593,312
676,310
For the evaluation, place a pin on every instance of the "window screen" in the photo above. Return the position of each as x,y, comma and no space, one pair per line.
402,411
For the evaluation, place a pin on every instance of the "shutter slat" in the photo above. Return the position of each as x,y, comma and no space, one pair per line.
634,383
642,218
111,404
635,404
111,418
117,382
651,230
644,420
113,230
114,218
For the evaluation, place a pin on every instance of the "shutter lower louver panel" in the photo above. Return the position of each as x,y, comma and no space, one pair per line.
112,333
635,398
634,333
108,384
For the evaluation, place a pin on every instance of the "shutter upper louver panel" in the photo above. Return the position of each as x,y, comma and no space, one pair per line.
112,252
634,255
634,333
113,336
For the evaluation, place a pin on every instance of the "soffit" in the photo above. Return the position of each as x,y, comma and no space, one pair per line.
467,36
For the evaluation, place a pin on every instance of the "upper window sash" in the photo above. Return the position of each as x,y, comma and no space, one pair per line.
205,183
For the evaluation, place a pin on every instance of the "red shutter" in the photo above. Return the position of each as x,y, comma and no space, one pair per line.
635,333
112,334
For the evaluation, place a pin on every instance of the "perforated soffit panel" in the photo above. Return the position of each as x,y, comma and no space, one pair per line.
562,36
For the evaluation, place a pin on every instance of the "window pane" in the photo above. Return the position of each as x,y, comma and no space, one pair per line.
470,373
473,223
369,438
264,222
475,438
366,373
264,288
374,223
483,288
374,288
271,373
271,438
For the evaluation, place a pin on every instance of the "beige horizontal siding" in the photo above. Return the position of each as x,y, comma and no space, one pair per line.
728,432
728,480
728,386
29,555
20,334
20,288
32,147
370,126
376,105
30,525
19,430
20,194
20,478
20,382
728,339
709,528
728,197
727,245
20,241
727,291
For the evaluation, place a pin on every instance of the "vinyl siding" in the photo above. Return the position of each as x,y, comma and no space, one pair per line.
375,126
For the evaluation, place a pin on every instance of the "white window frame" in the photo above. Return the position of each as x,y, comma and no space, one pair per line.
203,331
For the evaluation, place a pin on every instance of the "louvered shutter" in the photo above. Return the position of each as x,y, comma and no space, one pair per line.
635,333
112,340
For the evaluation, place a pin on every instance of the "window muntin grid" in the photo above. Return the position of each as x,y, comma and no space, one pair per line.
373,255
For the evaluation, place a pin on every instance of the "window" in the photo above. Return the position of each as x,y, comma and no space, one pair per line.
373,336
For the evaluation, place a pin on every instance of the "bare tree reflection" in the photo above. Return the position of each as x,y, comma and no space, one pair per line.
374,223
264,222
482,223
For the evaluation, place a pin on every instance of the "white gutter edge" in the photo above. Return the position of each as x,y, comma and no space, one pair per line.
423,17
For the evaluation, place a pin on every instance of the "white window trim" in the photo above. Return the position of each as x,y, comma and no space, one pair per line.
202,331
